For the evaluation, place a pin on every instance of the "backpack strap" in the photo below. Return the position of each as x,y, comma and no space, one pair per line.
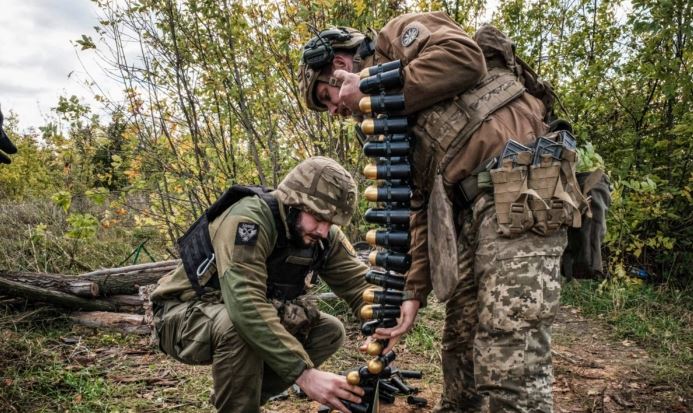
195,246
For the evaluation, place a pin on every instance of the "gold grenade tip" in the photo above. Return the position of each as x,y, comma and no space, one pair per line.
369,295
354,378
372,256
366,104
370,237
366,312
375,366
370,171
374,348
371,193
368,126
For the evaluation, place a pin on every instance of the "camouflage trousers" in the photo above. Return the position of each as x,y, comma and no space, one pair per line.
198,332
497,335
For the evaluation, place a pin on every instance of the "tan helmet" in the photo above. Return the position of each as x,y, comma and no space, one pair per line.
318,54
322,187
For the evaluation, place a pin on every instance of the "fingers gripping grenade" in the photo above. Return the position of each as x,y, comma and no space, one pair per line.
388,142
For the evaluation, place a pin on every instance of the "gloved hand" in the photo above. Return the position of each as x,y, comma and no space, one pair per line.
6,145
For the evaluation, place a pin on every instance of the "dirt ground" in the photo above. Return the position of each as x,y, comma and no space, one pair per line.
593,373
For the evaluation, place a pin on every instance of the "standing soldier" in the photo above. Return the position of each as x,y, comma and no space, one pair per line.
247,319
466,104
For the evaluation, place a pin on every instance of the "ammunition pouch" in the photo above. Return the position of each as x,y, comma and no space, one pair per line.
538,191
297,316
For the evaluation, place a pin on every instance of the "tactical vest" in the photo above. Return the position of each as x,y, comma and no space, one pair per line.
287,265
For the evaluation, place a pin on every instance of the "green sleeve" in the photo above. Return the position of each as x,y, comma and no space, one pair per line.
243,279
344,272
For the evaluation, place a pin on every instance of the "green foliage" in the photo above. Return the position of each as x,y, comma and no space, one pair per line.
81,226
212,100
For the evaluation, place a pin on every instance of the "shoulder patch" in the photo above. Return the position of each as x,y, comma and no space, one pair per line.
409,36
247,233
348,247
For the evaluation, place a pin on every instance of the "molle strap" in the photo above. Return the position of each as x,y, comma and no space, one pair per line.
496,90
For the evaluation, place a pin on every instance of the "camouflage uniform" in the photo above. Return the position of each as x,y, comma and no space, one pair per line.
496,339
258,346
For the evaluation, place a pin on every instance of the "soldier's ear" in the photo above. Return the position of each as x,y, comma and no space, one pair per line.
342,61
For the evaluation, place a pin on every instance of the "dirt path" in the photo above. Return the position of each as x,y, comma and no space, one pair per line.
593,373
596,374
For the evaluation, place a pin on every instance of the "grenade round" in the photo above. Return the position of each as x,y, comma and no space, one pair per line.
387,387
353,377
385,125
388,239
356,408
374,348
382,104
383,297
369,312
385,280
395,137
398,216
382,81
369,327
388,171
383,67
386,148
390,260
388,193
377,365
385,396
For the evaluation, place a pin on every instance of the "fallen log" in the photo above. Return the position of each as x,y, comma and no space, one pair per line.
121,322
80,288
127,280
112,289
59,298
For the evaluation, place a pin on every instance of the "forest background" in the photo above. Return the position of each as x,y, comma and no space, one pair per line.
212,100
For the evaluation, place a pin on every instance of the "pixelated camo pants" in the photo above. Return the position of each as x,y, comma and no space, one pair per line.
497,336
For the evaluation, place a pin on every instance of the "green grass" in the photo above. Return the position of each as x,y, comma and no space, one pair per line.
659,318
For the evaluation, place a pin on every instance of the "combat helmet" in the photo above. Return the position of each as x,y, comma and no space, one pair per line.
318,54
320,186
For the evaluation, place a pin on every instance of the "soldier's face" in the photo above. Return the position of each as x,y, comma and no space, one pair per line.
329,96
311,229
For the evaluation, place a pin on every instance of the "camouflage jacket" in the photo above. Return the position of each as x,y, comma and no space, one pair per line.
243,278
442,62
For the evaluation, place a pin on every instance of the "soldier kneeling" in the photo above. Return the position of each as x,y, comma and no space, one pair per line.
241,310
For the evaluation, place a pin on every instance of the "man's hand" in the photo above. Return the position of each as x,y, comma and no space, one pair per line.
408,313
349,93
328,388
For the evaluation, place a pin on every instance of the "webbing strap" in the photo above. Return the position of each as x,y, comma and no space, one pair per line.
496,90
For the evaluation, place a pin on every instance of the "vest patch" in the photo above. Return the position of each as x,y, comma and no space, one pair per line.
409,36
247,233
